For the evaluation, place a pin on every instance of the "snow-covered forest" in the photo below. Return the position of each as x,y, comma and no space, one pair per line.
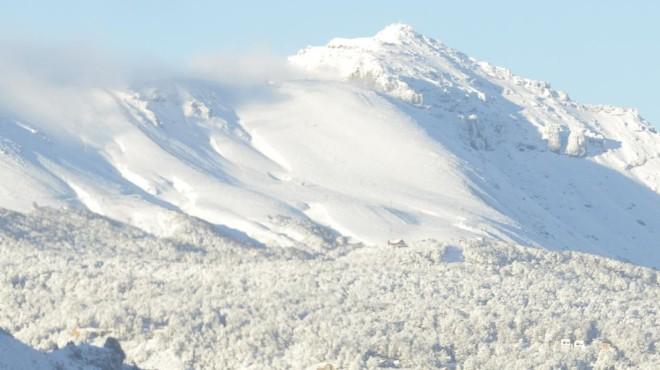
198,300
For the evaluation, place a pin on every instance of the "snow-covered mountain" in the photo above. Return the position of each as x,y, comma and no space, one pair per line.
394,136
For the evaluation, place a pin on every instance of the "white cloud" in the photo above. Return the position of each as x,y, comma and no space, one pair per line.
251,68
48,81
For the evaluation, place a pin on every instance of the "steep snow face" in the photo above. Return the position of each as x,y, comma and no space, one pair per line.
393,136
562,170
364,167
409,66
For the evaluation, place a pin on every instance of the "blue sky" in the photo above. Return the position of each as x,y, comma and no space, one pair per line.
598,51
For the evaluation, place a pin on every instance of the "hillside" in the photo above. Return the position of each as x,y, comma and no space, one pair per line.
76,276
15,355
390,137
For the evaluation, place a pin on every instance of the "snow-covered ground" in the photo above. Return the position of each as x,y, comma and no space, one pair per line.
248,226
15,355
199,301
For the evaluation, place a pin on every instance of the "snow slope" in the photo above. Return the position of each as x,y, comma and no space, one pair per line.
392,136
15,355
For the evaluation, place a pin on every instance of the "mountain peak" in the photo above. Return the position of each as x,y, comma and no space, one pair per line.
397,33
